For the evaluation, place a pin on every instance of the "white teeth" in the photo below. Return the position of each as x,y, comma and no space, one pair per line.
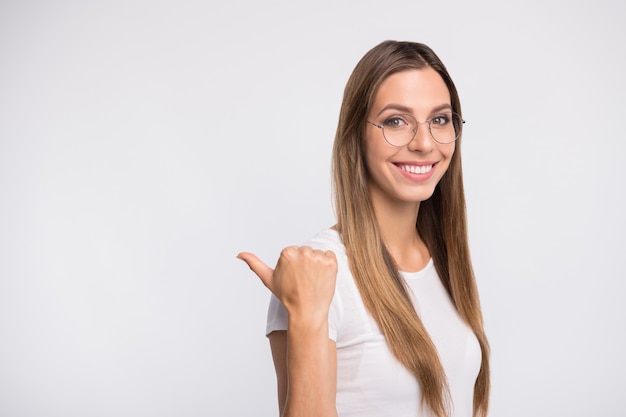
414,169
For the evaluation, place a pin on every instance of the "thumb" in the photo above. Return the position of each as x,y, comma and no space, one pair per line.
258,267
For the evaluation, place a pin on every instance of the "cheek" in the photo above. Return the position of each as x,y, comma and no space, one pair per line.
377,150
448,152
375,162
451,150
372,154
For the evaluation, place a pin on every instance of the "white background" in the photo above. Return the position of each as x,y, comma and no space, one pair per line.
144,143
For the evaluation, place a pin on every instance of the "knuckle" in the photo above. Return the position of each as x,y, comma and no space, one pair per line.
307,250
289,250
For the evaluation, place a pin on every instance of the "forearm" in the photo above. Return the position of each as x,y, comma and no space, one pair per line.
305,358
311,370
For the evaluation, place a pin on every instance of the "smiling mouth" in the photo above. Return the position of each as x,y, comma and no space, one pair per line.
415,169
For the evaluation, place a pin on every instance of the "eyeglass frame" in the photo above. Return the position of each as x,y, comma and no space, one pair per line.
417,123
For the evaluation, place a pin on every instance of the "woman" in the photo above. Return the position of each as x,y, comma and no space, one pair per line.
382,309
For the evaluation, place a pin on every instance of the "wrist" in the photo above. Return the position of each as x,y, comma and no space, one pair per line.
308,321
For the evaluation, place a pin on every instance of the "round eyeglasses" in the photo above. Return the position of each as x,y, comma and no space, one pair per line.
400,129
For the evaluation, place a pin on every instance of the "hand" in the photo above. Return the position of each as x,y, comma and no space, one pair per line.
304,278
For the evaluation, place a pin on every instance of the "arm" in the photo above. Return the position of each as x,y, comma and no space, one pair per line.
315,377
304,356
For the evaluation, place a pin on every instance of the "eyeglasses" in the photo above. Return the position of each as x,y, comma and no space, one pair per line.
400,129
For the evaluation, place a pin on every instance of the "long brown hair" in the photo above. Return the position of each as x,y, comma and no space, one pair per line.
441,224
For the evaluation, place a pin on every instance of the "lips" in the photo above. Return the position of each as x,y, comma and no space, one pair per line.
415,169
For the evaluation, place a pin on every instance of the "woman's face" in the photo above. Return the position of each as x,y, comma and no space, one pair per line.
407,173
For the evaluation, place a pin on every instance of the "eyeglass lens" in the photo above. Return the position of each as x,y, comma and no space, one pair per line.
399,130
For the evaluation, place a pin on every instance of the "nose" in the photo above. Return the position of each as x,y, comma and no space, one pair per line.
422,141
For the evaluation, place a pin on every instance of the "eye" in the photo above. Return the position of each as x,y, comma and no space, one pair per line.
395,122
441,120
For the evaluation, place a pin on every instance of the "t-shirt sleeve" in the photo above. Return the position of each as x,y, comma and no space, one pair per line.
278,318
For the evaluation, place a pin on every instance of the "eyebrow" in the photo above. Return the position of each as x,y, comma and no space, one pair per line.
405,109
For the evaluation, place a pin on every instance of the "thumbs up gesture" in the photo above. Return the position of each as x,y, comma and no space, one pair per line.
303,280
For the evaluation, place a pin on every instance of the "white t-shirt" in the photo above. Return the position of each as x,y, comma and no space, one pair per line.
370,380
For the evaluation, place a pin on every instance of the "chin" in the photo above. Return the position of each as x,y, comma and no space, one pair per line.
423,195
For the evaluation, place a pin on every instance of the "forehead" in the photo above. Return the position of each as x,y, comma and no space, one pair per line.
420,90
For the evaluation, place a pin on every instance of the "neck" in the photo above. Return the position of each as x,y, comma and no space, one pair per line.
397,223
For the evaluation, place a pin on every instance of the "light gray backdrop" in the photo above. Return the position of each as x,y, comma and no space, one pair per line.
144,143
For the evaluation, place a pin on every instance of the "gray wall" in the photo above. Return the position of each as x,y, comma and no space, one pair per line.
144,143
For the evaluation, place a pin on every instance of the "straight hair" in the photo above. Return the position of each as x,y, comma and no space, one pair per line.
441,223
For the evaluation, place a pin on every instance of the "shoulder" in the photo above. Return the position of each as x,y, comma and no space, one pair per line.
328,239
